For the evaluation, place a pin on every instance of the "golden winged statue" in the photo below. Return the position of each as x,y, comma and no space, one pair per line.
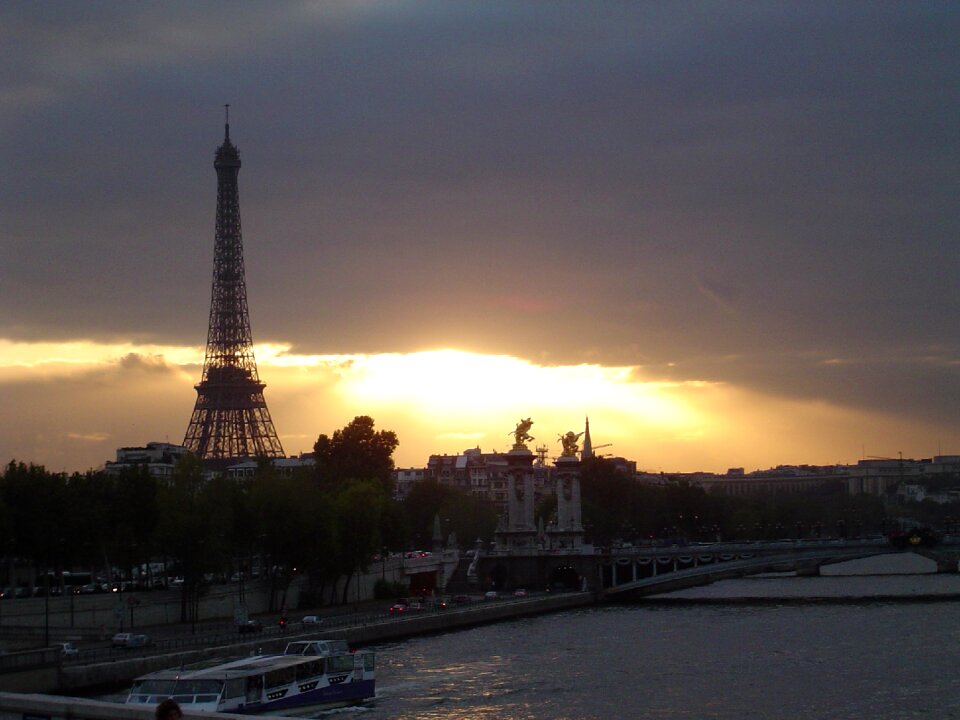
569,442
520,434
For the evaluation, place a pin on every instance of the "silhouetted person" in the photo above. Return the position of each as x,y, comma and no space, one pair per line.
168,710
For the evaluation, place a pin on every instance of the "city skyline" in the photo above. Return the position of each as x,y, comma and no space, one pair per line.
725,232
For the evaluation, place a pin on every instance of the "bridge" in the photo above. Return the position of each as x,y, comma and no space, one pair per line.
632,573
622,574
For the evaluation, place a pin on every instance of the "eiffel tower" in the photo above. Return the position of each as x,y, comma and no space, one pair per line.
230,419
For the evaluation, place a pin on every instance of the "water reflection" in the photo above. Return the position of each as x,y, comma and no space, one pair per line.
879,659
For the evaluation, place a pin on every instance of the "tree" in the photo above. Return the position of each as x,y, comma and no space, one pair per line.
36,499
359,508
462,513
357,452
287,513
423,503
194,526
134,515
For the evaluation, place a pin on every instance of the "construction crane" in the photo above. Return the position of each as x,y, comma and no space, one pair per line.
594,453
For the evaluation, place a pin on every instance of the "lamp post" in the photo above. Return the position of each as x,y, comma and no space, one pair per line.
46,610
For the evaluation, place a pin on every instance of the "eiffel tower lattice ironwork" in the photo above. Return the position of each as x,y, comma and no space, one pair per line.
230,418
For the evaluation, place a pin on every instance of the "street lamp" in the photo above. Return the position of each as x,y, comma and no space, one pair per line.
46,610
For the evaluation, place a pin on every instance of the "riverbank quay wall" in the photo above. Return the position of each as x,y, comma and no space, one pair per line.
480,614
70,677
14,706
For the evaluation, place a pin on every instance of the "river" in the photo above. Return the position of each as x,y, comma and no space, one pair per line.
775,657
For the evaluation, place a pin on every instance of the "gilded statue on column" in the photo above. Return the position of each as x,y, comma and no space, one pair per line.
569,442
521,436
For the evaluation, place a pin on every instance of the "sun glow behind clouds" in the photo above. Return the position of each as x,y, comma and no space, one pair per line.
453,383
70,406
440,379
471,386
87,353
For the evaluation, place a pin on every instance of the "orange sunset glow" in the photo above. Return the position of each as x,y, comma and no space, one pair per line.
441,401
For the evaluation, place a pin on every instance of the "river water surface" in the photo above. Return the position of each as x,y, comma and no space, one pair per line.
870,657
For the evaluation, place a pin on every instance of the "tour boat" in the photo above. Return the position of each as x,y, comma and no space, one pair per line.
310,675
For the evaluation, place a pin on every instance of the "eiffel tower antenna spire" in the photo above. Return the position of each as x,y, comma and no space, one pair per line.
230,419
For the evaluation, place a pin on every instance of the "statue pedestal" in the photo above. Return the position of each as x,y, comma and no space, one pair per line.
567,533
518,531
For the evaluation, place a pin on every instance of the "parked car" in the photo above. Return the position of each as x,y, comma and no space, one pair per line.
137,641
68,650
311,620
519,592
397,608
462,599
490,595
129,640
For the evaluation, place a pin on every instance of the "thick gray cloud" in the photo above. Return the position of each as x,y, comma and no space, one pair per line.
745,190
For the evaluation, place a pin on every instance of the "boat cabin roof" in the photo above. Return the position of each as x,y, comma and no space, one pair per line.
317,647
301,651
241,667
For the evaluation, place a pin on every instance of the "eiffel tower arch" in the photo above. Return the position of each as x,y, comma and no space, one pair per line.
230,419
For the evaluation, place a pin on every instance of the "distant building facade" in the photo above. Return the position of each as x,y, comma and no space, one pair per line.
473,471
246,469
877,476
781,479
158,458
404,479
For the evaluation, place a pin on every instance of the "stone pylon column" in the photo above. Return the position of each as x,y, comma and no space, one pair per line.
576,507
568,532
513,502
563,502
520,530
529,504
520,490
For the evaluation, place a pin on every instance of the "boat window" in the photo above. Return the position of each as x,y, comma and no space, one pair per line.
340,663
368,661
235,688
280,677
254,688
154,687
309,669
297,648
199,687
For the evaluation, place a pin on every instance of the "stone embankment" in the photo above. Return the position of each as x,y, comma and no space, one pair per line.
78,677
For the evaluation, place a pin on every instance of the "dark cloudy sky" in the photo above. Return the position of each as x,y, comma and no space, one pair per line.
754,195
